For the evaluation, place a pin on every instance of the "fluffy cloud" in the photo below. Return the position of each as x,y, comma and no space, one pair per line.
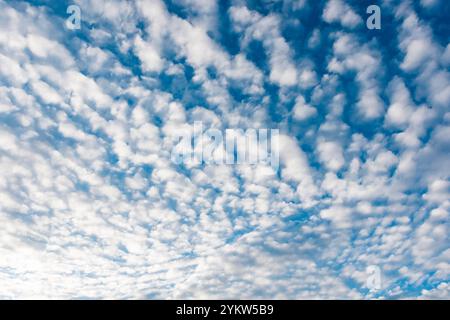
92,206
339,11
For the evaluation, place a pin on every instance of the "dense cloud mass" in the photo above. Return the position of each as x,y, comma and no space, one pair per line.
92,206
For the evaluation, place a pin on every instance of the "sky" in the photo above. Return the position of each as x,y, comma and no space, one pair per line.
93,207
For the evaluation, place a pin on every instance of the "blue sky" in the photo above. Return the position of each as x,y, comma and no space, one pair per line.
92,207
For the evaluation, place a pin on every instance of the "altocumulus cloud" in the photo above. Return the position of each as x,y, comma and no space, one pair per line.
91,206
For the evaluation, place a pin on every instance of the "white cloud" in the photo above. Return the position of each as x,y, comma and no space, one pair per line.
339,11
417,51
331,154
401,108
91,205
350,55
302,111
266,29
